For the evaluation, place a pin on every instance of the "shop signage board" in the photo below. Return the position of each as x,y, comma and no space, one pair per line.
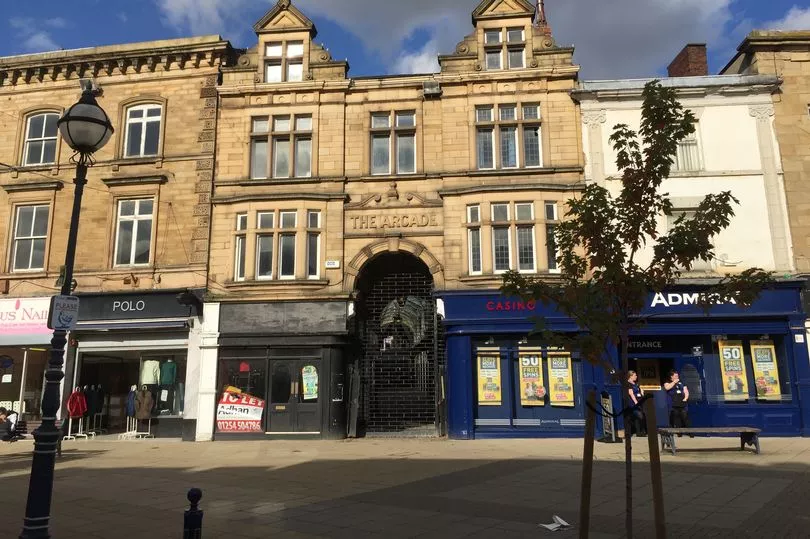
561,379
532,388
133,306
63,313
24,321
732,369
239,412
489,378
766,370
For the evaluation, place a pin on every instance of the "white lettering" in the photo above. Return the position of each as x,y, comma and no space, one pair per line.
659,300
129,306
692,298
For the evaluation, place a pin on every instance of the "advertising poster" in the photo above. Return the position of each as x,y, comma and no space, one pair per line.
732,369
239,412
309,375
560,379
766,371
532,388
489,378
649,374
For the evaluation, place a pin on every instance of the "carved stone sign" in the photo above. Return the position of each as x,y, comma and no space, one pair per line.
393,220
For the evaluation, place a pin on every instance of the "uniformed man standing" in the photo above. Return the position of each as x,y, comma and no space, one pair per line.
678,395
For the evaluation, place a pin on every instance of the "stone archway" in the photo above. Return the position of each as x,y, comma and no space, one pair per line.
392,245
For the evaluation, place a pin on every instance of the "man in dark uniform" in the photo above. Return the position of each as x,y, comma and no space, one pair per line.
678,395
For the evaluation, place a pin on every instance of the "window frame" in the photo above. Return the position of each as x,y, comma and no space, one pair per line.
693,143
240,239
27,139
498,126
284,60
526,224
145,106
474,225
272,136
551,224
32,237
392,133
310,232
503,48
136,219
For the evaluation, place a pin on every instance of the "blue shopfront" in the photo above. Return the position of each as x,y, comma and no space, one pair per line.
743,366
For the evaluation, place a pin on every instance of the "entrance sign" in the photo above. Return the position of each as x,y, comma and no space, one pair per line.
64,313
532,389
239,412
766,371
732,369
489,377
561,379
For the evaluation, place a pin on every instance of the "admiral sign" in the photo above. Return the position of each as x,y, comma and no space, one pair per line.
677,299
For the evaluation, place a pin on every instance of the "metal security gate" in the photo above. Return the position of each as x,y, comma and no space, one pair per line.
398,330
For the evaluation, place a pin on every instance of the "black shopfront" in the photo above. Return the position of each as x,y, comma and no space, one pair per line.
283,363
127,343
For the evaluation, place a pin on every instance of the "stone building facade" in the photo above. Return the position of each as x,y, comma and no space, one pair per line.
342,205
145,217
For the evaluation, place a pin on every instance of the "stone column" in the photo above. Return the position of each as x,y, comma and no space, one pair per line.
774,196
594,119
207,372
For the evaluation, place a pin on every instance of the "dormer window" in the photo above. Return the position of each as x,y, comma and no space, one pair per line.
510,53
284,61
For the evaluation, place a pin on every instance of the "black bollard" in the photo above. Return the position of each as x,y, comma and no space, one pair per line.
192,518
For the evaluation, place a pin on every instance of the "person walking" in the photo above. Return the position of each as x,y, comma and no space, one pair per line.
634,391
678,395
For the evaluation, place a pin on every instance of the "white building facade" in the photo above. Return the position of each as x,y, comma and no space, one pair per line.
734,148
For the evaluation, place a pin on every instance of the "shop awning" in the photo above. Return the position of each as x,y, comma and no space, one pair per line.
132,325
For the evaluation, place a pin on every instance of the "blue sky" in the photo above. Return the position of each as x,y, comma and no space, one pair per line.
616,38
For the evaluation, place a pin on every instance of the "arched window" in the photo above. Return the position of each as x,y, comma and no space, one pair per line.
40,139
143,130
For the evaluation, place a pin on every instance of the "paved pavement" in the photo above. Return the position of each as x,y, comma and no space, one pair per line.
408,488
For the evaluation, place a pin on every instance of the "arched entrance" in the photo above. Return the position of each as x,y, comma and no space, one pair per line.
400,347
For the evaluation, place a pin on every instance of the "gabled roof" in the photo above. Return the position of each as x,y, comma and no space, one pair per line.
284,16
491,9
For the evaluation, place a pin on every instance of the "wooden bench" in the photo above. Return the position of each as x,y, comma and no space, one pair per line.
748,436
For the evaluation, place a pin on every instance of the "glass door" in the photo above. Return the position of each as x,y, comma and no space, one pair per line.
295,396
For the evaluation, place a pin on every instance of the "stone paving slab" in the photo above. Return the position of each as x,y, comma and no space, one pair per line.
407,488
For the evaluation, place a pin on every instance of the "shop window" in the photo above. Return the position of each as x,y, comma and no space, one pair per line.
30,238
134,232
242,398
395,138
518,135
143,130
281,384
40,139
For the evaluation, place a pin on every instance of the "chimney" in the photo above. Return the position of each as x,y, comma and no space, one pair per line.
691,62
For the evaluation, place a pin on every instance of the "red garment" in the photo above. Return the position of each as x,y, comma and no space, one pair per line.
77,404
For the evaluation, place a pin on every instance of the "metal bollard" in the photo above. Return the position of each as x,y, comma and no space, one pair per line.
192,518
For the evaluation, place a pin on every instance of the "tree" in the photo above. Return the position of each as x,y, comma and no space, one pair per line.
604,286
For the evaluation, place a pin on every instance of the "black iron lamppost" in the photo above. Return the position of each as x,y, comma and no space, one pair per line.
86,128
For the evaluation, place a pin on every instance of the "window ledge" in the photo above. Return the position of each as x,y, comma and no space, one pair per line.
24,275
247,182
18,187
156,160
276,283
488,277
136,180
392,177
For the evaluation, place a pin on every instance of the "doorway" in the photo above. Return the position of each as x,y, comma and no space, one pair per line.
400,348
295,396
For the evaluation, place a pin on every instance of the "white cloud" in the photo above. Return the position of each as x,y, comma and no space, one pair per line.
423,61
31,36
795,19
619,38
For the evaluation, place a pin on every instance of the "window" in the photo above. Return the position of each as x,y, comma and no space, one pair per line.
284,61
291,147
286,261
474,238
518,137
264,244
313,244
134,232
40,139
143,131
501,242
524,214
551,239
513,49
398,137
30,237
688,214
687,158
240,248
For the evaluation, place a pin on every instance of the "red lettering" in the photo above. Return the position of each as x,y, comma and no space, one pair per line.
490,305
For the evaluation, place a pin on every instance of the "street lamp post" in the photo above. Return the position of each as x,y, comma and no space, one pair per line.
86,128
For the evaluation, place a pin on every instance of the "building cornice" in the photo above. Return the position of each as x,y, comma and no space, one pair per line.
534,186
19,187
166,55
271,197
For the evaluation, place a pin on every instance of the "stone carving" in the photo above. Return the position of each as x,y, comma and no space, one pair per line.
593,118
761,112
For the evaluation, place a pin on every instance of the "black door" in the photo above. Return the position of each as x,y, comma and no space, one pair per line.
295,396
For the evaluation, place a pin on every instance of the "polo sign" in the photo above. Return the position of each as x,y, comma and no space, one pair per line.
64,313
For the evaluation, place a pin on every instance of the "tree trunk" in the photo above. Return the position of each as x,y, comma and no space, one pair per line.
628,440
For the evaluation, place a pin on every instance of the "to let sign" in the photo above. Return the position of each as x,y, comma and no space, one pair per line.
64,313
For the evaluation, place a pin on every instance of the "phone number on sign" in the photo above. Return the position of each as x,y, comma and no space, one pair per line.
233,425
